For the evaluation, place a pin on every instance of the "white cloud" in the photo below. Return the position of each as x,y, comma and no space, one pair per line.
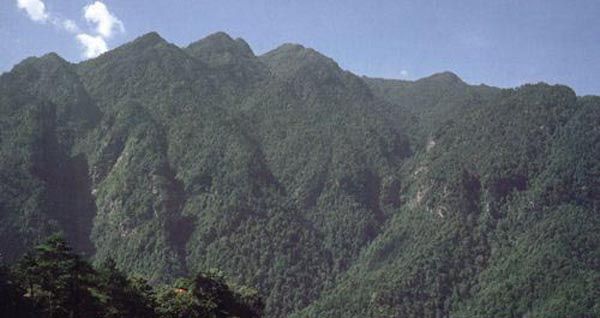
97,13
36,10
103,22
93,45
404,73
70,26
105,25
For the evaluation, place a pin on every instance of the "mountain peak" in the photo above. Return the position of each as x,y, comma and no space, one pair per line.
293,55
133,49
45,62
218,44
149,39
53,56
295,49
289,47
219,36
446,77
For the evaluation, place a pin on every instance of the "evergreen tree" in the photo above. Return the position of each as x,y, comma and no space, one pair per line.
178,301
13,302
218,300
59,281
51,281
123,297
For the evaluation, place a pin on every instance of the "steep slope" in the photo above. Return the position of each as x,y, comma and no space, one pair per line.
44,185
350,153
476,235
334,195
232,61
422,105
212,183
149,69
349,156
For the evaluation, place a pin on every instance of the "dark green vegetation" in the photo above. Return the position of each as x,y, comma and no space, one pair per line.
52,281
333,195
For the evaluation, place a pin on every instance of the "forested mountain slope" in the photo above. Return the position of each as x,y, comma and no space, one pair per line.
333,195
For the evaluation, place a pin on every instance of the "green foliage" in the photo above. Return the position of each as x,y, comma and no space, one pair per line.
58,280
124,296
52,281
14,304
489,215
334,195
217,300
178,302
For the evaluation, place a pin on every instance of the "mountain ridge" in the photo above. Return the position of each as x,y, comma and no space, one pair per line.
333,194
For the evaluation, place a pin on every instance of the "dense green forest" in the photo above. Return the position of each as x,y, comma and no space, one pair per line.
332,195
53,281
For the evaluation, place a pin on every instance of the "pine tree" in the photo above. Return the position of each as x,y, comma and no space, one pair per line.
124,297
59,281
13,303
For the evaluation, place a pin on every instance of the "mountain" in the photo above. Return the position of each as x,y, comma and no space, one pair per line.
334,195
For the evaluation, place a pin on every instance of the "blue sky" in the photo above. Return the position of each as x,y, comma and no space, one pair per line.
501,43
